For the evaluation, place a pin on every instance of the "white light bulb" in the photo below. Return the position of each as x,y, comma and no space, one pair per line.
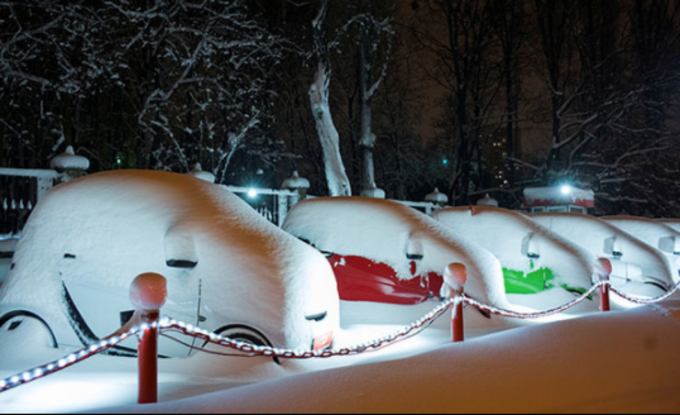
566,190
252,193
3,384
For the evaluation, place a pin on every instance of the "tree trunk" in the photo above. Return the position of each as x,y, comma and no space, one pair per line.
338,182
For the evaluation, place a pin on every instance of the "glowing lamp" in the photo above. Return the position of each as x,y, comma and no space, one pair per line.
566,190
252,193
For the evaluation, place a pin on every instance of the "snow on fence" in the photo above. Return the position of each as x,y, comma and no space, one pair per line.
149,301
20,190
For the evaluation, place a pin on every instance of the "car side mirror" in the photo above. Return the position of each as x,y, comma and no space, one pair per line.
530,247
180,251
611,247
414,250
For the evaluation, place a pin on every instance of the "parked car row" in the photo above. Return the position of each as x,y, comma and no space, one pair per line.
232,272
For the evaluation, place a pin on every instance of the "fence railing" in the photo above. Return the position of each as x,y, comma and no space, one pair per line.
148,295
22,189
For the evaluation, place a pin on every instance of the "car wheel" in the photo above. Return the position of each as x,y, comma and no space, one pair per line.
14,320
245,334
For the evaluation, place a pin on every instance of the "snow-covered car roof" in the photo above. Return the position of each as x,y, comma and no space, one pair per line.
593,233
386,231
108,228
649,231
510,236
673,223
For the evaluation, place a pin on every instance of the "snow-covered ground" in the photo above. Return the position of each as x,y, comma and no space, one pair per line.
623,361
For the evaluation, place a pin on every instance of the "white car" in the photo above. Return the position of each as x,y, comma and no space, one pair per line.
228,270
634,262
659,235
534,259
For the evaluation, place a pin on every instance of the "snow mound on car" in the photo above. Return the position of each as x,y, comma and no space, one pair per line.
591,233
110,227
384,231
506,234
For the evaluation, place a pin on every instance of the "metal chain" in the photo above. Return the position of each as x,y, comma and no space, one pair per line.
69,360
254,350
642,301
169,324
532,316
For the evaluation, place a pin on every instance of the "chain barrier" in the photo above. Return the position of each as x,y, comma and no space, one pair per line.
643,301
168,324
266,351
532,316
67,361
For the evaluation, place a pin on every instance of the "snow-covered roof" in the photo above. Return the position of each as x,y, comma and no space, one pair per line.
69,160
199,173
510,236
374,192
487,201
295,182
601,238
558,196
437,197
384,231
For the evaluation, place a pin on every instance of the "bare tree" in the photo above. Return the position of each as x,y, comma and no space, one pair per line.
336,177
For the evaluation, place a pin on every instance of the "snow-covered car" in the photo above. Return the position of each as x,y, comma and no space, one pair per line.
673,223
228,270
534,259
653,233
634,262
7,246
386,252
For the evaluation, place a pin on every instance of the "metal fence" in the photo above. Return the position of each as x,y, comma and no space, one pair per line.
22,189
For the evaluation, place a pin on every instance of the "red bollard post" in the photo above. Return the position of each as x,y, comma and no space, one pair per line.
455,276
148,294
148,360
604,270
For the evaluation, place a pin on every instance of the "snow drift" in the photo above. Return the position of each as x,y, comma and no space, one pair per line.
88,239
621,362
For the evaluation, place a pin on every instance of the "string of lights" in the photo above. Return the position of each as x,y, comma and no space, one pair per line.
68,360
167,324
